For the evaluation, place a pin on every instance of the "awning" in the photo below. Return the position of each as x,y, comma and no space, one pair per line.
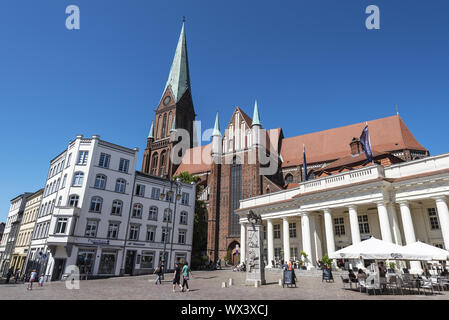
375,249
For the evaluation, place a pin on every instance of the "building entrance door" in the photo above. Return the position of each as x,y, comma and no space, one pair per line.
129,264
58,269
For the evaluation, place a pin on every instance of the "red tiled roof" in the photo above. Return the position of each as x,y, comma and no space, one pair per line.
387,134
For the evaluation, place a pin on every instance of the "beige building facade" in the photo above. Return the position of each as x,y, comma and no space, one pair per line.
19,257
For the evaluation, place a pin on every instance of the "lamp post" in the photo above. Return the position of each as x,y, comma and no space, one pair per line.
162,196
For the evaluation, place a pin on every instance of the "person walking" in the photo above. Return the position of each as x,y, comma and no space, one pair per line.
16,276
8,275
177,277
185,275
160,273
32,279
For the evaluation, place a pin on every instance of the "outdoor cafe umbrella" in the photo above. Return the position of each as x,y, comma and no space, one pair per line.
375,249
420,249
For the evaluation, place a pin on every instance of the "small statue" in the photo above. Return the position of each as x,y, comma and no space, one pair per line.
254,218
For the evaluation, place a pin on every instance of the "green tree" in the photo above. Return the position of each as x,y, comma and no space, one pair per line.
199,245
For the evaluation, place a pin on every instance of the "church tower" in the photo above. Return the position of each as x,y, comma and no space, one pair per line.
175,111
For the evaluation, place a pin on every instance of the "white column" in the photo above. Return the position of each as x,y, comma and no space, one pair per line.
354,222
409,232
407,222
391,208
286,237
443,215
243,242
306,240
330,240
384,221
270,242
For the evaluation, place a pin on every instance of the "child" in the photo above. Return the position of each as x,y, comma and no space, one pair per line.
41,281
32,279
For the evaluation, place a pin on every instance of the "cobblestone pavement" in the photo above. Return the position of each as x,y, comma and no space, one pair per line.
203,285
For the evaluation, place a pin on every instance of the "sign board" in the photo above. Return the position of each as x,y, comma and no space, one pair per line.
327,275
44,256
288,277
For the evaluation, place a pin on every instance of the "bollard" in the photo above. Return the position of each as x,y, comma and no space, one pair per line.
280,282
231,281
257,284
223,285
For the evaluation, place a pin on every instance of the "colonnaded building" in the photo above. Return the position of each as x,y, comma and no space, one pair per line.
248,161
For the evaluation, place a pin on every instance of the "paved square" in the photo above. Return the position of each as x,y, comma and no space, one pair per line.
205,285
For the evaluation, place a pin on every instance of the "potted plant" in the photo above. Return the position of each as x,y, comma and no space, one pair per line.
326,261
303,260
391,265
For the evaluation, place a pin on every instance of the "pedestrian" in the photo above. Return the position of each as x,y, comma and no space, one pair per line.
219,264
185,275
41,280
16,276
160,273
177,277
32,279
8,275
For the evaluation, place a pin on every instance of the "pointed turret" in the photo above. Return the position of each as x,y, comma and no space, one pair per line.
151,133
179,78
216,127
256,118
216,141
256,127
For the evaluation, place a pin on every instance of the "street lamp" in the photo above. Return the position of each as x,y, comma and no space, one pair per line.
170,194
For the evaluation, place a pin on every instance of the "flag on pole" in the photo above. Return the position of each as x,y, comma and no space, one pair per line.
366,143
304,162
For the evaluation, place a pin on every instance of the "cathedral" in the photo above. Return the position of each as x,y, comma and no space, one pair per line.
246,160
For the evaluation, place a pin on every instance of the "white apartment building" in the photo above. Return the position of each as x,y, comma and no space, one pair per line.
97,214
401,203
11,231
161,220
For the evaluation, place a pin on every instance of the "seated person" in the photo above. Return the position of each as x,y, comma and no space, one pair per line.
444,273
352,276
426,272
382,270
361,274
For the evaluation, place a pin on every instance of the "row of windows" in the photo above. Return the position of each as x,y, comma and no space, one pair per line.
101,179
277,231
24,238
105,160
113,231
41,230
47,208
153,214
29,215
96,205
156,192
56,169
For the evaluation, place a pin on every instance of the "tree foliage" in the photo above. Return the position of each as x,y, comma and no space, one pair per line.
199,245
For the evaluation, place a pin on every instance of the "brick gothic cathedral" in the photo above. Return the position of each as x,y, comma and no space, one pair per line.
233,178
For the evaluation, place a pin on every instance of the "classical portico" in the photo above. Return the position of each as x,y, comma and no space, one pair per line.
401,204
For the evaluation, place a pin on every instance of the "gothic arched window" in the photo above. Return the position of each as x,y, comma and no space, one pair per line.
164,123
163,162
154,163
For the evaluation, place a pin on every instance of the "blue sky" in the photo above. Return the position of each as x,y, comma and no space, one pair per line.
312,65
